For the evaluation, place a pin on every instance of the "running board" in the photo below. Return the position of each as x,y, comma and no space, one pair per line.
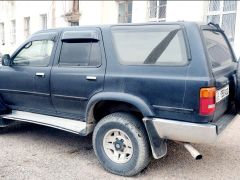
69,125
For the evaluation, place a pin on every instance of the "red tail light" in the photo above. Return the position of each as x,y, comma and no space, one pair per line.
207,101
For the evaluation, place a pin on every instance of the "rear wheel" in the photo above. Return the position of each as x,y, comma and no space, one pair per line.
121,145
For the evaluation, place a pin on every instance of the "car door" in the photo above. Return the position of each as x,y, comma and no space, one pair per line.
25,83
78,71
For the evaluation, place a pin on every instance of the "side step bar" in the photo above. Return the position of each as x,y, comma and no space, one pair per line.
70,125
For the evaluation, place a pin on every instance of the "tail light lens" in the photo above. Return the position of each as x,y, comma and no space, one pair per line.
207,100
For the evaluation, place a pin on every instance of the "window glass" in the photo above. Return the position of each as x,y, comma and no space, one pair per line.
35,53
159,45
75,53
13,31
157,10
214,19
44,21
214,5
224,14
230,6
2,34
125,12
153,9
228,24
218,49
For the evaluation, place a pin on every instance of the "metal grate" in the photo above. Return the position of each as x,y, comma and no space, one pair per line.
230,6
228,25
153,9
214,18
224,14
214,5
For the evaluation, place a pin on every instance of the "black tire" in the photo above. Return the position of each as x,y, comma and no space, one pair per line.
136,132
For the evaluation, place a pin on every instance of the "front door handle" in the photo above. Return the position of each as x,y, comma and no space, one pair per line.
40,74
91,78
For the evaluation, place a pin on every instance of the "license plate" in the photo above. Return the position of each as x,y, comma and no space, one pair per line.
222,93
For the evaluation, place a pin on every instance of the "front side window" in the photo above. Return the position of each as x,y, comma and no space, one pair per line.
79,53
35,53
150,45
218,50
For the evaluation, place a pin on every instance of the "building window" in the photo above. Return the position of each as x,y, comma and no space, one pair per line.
13,31
26,26
157,10
74,23
224,14
43,21
125,12
2,35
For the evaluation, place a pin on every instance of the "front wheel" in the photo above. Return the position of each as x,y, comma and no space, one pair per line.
120,142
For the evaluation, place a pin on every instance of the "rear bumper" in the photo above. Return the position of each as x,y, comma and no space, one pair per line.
187,132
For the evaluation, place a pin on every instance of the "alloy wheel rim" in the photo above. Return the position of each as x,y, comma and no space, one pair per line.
118,146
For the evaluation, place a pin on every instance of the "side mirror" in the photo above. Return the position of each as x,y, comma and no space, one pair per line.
6,60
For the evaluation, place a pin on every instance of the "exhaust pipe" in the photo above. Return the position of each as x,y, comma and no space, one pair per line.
195,154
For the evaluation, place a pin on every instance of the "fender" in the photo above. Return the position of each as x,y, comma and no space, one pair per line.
123,97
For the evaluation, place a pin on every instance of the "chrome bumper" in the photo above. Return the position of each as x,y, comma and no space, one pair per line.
188,132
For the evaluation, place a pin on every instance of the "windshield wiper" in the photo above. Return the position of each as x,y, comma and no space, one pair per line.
160,48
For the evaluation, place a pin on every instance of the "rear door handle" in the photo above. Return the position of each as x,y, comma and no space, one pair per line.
91,78
40,74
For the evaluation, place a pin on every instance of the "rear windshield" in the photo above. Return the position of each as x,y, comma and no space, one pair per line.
218,50
152,44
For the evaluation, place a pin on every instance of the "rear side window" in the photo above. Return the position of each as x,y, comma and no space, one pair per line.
218,50
78,53
150,45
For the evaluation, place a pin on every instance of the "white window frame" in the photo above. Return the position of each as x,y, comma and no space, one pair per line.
157,19
220,13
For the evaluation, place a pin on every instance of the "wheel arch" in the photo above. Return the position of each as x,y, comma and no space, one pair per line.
135,101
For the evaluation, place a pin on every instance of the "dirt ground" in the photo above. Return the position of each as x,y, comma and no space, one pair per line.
35,152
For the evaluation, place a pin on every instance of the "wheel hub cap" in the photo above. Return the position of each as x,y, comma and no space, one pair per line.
118,146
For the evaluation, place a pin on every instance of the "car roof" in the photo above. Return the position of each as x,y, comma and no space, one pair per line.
124,24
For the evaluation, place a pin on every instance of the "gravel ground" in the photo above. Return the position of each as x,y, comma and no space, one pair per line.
35,152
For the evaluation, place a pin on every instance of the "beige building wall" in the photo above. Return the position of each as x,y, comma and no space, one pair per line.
92,13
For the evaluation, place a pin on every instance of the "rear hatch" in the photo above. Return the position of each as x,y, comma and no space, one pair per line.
223,65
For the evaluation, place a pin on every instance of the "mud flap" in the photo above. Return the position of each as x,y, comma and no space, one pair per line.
158,145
